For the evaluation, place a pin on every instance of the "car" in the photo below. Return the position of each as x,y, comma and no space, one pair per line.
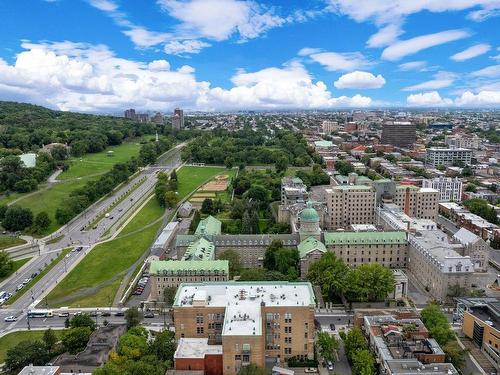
311,370
95,313
332,326
79,248
34,274
63,314
329,366
120,209
94,227
78,313
19,287
10,318
149,314
111,217
26,281
119,313
106,313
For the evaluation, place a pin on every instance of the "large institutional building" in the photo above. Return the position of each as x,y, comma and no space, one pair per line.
447,156
399,133
450,189
350,204
227,325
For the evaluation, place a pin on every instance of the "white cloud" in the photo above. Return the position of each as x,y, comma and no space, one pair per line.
144,38
159,65
185,46
359,80
441,80
333,61
220,19
481,99
384,12
385,36
90,78
471,52
483,14
490,71
428,99
412,65
411,46
104,5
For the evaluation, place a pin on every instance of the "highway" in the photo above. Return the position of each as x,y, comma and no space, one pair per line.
75,235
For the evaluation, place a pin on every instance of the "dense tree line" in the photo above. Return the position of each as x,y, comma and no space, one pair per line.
165,189
248,147
80,199
368,282
481,208
358,352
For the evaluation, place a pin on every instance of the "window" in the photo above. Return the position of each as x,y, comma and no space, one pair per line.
199,318
199,330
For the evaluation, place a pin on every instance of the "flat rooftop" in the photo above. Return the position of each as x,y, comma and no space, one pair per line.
196,348
414,367
242,301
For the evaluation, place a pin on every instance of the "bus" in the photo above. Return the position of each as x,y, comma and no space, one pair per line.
39,313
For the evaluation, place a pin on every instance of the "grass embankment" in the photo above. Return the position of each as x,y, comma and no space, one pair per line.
9,241
37,278
12,339
16,265
100,162
96,279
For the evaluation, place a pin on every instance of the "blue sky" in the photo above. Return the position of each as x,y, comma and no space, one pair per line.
107,55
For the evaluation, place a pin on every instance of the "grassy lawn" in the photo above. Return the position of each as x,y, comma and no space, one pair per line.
33,281
17,264
12,339
106,261
191,177
49,200
101,162
9,241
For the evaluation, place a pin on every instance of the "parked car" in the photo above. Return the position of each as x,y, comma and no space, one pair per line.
63,314
332,327
26,281
19,287
119,313
10,318
311,370
106,313
34,274
149,314
330,366
79,248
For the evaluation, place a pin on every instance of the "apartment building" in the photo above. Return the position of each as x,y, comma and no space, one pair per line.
481,323
450,189
251,321
329,126
403,346
399,133
389,249
447,156
421,203
172,273
349,204
462,140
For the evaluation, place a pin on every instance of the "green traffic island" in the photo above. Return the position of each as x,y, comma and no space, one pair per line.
8,267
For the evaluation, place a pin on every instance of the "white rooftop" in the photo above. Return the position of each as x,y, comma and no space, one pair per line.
465,236
243,301
196,348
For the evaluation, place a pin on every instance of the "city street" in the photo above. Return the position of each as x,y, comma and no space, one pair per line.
76,236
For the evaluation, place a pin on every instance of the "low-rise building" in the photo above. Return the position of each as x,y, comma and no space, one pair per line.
253,321
403,346
450,189
474,247
447,156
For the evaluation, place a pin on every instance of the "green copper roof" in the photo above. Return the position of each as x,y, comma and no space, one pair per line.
201,249
310,244
323,143
162,266
209,226
361,238
352,187
404,187
309,214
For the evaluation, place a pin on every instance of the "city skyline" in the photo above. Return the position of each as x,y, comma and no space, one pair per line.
103,56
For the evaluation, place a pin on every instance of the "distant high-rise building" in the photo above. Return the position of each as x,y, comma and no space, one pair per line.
399,133
329,126
157,118
130,114
142,117
178,119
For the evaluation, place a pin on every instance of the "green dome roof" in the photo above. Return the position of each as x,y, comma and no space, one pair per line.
309,214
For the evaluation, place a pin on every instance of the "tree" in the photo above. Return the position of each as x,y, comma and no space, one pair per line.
42,221
330,273
6,264
74,340
437,324
169,295
207,206
49,339
370,282
328,346
467,171
250,221
281,164
363,363
455,354
343,167
133,345
25,353
258,194
3,209
164,345
133,317
173,175
471,188
195,221
270,254
17,218
353,342
229,162
82,320
234,261
251,369
171,199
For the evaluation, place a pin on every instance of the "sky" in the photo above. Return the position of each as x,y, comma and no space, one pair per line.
103,56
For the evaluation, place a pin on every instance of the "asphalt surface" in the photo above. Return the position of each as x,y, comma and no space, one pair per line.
76,236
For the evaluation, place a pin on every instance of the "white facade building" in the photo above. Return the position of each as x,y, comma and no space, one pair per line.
447,156
450,189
